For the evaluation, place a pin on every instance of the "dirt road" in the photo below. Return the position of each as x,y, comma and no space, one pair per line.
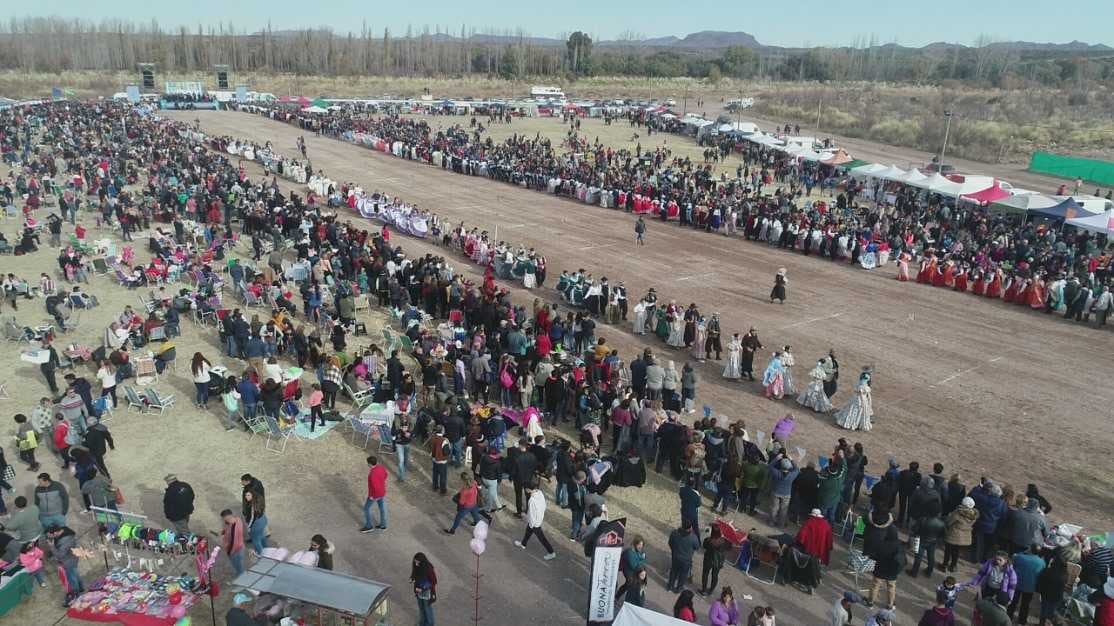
977,385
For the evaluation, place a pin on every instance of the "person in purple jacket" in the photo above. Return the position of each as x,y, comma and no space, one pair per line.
995,576
724,612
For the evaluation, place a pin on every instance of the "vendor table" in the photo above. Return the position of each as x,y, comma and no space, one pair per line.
13,589
133,599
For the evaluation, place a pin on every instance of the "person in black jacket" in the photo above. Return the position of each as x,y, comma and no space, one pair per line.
884,492
907,482
930,530
177,503
96,440
522,466
954,493
564,474
804,494
491,470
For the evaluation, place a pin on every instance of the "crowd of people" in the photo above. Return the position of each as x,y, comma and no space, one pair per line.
477,367
911,225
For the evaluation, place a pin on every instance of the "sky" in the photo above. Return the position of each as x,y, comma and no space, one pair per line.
799,23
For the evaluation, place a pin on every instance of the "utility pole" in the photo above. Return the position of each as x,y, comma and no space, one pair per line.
685,106
819,105
943,149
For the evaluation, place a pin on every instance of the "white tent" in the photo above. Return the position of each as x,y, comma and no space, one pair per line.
1093,204
868,170
912,176
315,109
809,154
892,172
631,615
957,188
1023,203
1102,223
928,182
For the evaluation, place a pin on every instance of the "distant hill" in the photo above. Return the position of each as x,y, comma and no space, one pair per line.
714,40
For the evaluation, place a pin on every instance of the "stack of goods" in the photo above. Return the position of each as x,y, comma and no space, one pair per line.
122,591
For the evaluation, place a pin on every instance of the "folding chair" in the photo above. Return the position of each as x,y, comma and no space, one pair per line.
361,303
102,406
386,440
155,401
256,425
406,344
359,398
145,371
766,553
276,434
859,565
360,428
134,401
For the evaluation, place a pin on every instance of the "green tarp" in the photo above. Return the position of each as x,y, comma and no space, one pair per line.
1090,170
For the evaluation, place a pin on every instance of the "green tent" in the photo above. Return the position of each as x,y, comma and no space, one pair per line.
853,164
321,102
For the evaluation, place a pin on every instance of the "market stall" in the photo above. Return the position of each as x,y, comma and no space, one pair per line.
14,587
302,591
135,599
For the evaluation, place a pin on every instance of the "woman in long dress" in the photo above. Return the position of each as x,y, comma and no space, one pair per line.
733,369
773,379
903,267
778,292
787,362
529,278
640,318
698,341
676,332
857,414
813,396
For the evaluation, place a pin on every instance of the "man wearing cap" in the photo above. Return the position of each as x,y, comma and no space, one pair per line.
177,503
841,610
992,610
238,615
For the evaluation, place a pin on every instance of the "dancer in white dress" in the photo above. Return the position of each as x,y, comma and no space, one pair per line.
734,369
640,317
788,362
813,396
859,410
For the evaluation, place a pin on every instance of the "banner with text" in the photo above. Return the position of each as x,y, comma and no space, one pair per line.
606,558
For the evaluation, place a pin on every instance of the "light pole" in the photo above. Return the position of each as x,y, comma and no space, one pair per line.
947,129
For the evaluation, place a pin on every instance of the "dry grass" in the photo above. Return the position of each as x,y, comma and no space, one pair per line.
993,125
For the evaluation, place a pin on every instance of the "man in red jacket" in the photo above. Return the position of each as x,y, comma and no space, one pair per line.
376,495
60,435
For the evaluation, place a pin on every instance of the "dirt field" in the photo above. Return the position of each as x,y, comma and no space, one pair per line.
957,379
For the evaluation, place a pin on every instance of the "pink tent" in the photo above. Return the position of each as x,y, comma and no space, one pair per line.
299,100
993,193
